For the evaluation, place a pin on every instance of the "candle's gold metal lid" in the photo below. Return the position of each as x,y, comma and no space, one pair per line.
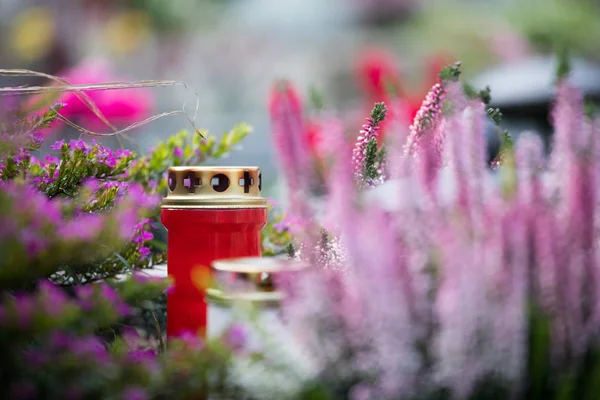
214,187
250,279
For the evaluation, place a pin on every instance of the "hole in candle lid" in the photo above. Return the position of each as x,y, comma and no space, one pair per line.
191,181
219,182
260,181
246,182
172,181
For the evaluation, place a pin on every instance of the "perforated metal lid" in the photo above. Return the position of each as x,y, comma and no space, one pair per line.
214,187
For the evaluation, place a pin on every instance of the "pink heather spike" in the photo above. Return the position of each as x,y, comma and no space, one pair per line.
429,157
342,191
567,118
369,131
288,132
427,117
288,128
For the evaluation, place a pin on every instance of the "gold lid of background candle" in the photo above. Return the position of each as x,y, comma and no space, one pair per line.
250,279
214,187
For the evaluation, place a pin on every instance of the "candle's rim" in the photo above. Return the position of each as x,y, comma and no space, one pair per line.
258,265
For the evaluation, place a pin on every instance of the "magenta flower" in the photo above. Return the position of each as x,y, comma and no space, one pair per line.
120,107
58,146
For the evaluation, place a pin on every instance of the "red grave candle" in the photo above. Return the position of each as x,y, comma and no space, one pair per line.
210,213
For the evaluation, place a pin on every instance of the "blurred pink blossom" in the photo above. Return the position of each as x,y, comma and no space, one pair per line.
121,107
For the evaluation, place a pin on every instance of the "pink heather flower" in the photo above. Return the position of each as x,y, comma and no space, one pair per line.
82,228
289,128
368,132
178,152
78,145
123,153
367,136
288,133
57,145
567,118
51,160
342,189
144,252
427,118
89,347
21,156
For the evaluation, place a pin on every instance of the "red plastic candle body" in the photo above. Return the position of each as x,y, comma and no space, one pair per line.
206,228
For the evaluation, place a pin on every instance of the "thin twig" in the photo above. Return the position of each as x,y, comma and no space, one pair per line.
79,92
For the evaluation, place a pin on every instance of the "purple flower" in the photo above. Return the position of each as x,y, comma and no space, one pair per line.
89,347
51,160
123,153
37,138
177,152
143,237
82,228
77,144
58,145
21,156
144,252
